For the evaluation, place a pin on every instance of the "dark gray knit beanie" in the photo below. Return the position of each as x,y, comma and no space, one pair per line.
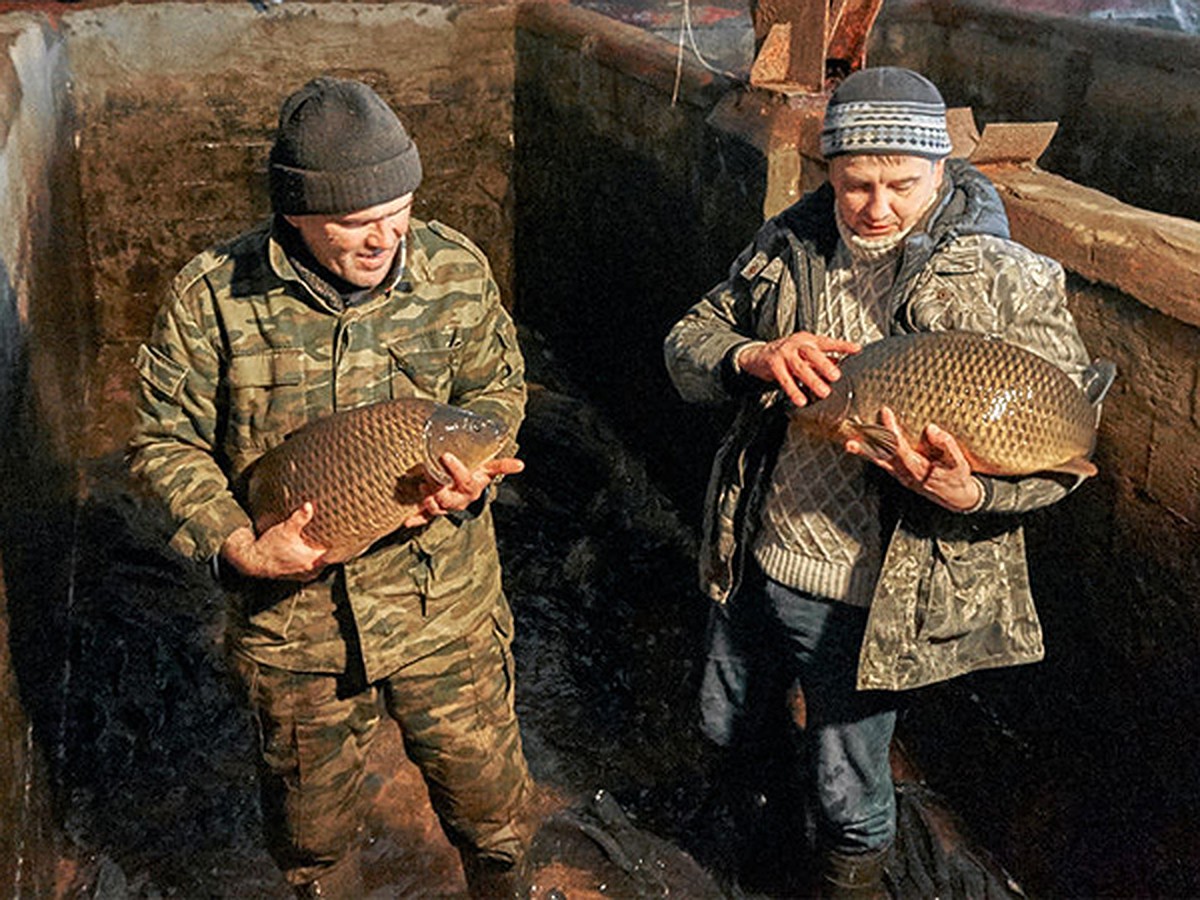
339,148
886,110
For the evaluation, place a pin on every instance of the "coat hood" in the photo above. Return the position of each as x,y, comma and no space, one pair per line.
971,205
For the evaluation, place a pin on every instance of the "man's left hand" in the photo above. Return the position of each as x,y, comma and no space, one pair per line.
938,470
467,487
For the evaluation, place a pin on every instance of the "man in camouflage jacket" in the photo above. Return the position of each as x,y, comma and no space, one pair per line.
341,300
875,584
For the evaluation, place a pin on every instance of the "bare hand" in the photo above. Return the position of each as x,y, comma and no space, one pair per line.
279,552
937,470
466,487
810,359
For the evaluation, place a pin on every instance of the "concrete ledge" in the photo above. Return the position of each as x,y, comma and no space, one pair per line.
628,48
1125,97
1149,256
1167,50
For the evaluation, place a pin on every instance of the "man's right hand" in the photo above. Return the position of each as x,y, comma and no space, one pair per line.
799,359
279,552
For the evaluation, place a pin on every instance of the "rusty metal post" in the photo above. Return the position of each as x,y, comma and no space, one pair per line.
791,50
804,48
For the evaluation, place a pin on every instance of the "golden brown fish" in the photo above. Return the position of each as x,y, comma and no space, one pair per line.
1012,412
363,469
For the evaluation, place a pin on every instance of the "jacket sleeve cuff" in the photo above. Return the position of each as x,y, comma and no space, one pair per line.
204,533
736,381
985,495
475,510
1005,495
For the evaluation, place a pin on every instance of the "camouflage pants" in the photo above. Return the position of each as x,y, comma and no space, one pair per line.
456,716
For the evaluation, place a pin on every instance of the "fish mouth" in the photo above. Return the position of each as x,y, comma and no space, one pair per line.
826,414
471,437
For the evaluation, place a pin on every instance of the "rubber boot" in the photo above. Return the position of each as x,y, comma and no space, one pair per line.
494,879
343,881
853,876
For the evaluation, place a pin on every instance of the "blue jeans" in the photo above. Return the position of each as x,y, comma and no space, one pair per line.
848,732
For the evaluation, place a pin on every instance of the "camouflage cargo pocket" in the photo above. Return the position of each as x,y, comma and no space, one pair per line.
164,375
494,671
963,584
267,395
425,366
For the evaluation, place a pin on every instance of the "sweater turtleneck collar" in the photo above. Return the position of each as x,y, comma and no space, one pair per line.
878,249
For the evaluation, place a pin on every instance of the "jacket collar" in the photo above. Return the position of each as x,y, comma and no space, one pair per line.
418,254
812,220
413,261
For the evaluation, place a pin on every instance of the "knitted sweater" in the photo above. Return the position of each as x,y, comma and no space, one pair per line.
821,531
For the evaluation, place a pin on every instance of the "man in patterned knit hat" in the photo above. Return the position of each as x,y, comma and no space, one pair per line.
343,299
851,583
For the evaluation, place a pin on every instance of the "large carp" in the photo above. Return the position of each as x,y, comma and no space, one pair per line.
363,469
1011,411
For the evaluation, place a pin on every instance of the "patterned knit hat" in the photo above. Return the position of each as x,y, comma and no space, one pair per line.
339,148
886,110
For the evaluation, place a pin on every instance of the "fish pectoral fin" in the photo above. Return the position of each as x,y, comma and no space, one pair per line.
410,487
1079,467
877,441
1097,379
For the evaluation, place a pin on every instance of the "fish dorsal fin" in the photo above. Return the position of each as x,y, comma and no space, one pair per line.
1097,379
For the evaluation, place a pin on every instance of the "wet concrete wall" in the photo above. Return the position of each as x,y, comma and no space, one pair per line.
43,351
178,105
1072,770
1126,97
631,207
109,667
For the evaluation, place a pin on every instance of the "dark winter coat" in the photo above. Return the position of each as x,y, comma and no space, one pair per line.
953,595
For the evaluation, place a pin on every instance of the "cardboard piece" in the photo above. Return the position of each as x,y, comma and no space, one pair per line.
1001,142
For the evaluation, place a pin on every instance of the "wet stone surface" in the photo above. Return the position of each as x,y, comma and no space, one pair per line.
153,753
153,756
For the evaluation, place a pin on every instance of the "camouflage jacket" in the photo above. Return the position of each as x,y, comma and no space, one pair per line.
953,594
243,352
